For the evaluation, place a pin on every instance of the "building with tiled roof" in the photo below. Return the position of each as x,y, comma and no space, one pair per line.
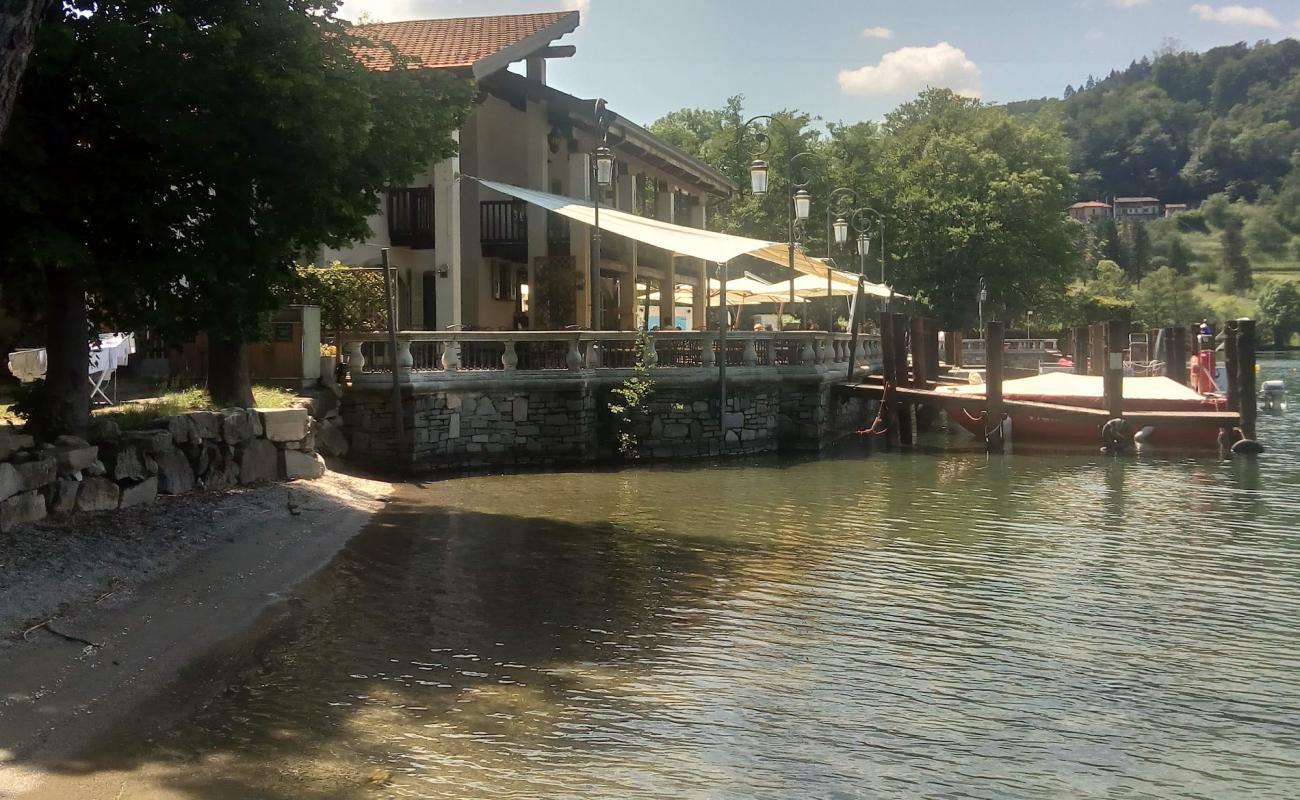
468,257
1089,210
1137,209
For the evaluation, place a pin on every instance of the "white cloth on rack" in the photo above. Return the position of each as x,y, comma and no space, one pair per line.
113,350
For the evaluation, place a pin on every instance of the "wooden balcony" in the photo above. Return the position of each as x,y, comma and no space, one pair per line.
410,218
503,229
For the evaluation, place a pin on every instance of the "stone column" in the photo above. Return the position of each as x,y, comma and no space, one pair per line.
537,153
580,234
446,224
700,297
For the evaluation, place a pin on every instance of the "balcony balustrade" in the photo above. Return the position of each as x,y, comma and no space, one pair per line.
429,357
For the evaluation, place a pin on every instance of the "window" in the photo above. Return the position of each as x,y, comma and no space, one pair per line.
504,281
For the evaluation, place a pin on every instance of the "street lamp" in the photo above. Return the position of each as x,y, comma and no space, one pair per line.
799,175
837,204
602,168
1029,324
983,298
862,226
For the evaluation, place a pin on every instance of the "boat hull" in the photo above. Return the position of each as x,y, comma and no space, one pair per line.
1030,428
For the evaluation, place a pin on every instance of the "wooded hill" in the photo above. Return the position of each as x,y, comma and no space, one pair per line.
1186,125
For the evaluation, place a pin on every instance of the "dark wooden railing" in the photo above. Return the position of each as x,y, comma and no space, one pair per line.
410,218
503,229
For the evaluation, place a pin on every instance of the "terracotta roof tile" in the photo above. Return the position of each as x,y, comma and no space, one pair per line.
456,42
1091,204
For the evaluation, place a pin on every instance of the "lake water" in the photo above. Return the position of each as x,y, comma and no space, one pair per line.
931,624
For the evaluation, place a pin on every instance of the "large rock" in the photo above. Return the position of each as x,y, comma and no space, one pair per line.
331,440
298,464
181,427
11,482
37,473
207,423
175,475
236,426
146,491
222,471
72,458
63,499
103,431
258,462
125,463
98,494
154,442
284,424
21,508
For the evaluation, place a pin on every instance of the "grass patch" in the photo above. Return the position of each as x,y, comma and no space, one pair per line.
140,414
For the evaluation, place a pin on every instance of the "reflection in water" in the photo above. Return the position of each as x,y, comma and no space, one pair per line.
935,624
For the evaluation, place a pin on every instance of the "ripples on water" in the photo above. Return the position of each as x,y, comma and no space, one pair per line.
935,624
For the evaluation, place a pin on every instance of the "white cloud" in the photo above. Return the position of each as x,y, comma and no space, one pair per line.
877,33
381,10
581,6
1237,15
1128,3
910,69
1094,36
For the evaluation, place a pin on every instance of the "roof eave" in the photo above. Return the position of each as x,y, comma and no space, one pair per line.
526,46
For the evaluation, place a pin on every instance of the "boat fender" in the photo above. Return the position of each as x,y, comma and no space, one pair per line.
1247,447
1144,435
1117,436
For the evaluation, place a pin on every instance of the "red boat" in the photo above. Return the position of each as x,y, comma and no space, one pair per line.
1085,391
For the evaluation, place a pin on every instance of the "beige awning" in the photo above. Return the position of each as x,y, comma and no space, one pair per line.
710,246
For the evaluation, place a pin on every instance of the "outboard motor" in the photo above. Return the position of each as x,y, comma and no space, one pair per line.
1272,397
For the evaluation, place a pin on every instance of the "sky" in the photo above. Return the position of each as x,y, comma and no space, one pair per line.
854,60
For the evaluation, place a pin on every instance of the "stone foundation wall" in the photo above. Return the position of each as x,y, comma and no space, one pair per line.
111,469
494,421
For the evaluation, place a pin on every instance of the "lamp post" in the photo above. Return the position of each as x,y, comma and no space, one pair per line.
1029,324
602,169
864,248
983,297
838,232
799,175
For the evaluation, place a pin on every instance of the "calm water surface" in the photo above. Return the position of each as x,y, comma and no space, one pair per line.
935,624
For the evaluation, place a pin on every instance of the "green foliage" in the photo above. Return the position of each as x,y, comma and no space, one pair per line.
1235,275
1112,248
1166,298
1188,125
31,404
1279,310
180,156
1180,256
350,299
1139,249
632,396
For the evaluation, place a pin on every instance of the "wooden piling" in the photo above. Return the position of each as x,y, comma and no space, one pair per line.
1113,382
1246,376
1097,349
993,336
904,410
1232,390
1177,363
932,350
920,358
889,371
1080,353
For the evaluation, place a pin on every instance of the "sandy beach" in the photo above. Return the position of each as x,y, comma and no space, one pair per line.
101,612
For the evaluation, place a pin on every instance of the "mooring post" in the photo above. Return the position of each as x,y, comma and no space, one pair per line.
1081,350
1246,376
993,336
932,351
889,372
1233,388
1097,354
1178,355
921,366
1113,382
903,409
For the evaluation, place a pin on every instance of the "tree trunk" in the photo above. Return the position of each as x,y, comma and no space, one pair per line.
19,20
68,357
228,382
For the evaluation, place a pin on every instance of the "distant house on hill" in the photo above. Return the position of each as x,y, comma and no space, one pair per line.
1089,210
1137,209
1174,208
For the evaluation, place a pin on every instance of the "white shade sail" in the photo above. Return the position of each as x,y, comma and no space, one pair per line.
695,242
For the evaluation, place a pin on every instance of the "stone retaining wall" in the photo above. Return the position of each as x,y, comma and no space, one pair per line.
482,421
111,469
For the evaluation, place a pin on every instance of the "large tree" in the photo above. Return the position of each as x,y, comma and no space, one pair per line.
19,20
170,160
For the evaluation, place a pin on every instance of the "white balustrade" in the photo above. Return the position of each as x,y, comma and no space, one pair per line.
429,356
